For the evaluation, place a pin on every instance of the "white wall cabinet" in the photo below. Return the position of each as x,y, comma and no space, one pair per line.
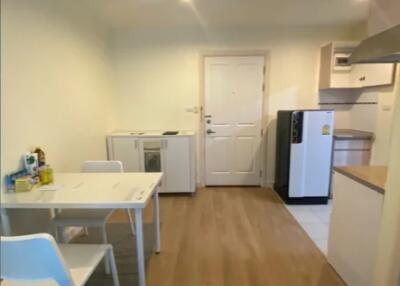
355,76
368,75
172,155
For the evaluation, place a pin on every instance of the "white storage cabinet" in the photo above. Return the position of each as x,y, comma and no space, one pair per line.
124,149
175,153
354,230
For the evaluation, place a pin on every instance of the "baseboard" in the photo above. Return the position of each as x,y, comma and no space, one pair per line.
200,185
268,184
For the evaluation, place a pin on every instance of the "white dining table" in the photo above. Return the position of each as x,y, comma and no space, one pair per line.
95,191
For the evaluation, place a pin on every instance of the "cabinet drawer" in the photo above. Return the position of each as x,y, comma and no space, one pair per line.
352,145
348,157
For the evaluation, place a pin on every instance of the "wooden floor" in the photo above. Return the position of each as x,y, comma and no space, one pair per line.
233,236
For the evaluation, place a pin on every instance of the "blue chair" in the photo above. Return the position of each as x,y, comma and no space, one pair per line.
36,259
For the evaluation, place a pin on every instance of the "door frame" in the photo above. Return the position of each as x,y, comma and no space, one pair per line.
264,111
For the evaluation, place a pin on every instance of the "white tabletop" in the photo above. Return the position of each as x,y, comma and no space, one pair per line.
89,190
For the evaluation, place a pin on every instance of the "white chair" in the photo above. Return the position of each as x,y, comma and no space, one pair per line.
36,259
90,217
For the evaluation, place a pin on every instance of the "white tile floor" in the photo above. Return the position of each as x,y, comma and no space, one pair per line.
314,219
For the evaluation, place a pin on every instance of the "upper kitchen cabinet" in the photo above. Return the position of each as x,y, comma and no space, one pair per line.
368,75
335,69
337,73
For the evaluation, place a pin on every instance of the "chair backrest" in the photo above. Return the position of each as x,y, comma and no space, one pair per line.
102,167
33,257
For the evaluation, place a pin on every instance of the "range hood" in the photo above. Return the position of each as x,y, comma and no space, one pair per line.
380,48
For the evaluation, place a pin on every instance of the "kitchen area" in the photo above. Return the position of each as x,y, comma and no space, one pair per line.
358,84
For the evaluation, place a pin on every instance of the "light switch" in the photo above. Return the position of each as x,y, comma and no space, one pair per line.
194,109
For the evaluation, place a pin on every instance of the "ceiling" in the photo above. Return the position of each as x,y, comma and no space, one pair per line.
228,13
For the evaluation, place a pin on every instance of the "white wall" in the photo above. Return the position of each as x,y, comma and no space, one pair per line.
352,116
55,89
387,266
384,13
157,72
384,121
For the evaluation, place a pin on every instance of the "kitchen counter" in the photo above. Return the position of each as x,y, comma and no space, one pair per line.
156,133
374,177
352,134
358,195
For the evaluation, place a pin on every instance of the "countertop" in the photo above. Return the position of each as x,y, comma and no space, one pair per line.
151,133
352,134
373,177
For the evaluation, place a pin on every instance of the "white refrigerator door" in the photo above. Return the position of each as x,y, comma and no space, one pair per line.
310,161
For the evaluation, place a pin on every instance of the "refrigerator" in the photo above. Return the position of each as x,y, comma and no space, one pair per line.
304,152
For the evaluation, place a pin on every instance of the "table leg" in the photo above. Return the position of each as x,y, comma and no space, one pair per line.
156,221
139,247
5,222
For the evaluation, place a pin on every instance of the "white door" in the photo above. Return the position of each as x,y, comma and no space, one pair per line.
233,113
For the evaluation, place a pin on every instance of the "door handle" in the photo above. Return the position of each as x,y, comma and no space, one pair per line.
209,131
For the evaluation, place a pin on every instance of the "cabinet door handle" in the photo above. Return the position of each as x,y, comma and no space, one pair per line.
136,144
165,144
209,131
